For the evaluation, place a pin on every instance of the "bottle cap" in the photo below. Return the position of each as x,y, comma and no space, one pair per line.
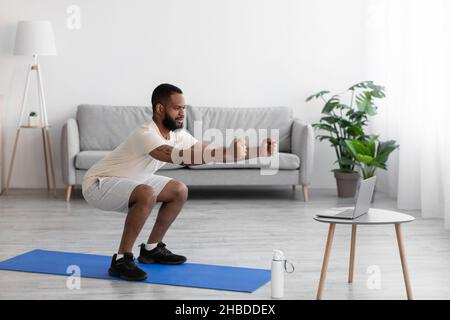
278,255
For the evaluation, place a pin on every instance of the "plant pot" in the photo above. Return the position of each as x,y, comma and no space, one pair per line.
347,183
33,121
373,195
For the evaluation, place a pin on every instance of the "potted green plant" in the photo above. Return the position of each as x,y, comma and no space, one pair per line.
344,117
33,120
371,154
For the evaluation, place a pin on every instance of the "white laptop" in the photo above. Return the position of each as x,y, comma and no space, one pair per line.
362,204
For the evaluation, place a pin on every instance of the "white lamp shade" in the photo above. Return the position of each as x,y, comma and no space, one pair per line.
35,37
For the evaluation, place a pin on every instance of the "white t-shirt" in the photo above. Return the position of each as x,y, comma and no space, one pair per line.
131,158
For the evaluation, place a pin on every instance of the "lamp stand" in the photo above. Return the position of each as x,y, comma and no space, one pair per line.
44,126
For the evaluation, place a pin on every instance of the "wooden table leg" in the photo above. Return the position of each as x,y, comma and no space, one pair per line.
50,156
13,157
352,255
305,193
326,257
68,192
44,141
401,248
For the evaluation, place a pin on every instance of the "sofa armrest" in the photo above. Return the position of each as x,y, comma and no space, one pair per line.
70,147
302,140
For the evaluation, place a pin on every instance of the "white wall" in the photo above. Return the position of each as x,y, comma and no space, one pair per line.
221,53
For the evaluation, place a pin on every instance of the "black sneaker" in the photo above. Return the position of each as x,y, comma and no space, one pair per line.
126,268
160,254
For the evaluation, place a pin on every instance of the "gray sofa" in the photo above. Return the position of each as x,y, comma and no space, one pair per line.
99,129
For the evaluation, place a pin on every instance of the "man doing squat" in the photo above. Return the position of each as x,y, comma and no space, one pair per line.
125,179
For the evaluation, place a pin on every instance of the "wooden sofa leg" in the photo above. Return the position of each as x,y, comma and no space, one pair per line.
305,193
68,192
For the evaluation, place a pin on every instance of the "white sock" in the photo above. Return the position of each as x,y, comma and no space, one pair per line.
119,255
150,246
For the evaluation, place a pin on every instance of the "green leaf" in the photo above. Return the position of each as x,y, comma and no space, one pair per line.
330,119
379,165
321,137
357,116
365,104
345,161
361,85
355,131
371,145
358,147
368,153
384,150
378,94
330,105
377,91
317,95
364,159
334,141
326,127
344,123
363,100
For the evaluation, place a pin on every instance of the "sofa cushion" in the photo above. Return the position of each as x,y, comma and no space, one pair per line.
287,161
242,118
86,159
105,127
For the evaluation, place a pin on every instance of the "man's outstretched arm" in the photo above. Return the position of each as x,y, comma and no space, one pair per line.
266,149
193,155
202,153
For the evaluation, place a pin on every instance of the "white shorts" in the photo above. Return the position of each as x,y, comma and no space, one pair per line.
113,193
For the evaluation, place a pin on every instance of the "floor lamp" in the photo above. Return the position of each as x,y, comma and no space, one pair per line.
35,38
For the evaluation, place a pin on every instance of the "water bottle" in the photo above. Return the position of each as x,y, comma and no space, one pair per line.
278,274
279,267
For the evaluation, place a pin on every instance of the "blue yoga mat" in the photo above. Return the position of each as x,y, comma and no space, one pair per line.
96,266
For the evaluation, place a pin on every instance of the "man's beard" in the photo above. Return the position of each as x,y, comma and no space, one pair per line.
170,123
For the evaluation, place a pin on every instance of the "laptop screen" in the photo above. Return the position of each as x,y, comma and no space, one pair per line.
364,197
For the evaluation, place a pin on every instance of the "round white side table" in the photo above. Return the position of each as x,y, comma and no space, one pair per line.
373,217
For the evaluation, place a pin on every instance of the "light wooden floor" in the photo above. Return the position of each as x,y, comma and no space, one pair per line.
226,227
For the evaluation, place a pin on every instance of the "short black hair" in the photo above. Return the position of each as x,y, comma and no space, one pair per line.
162,93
